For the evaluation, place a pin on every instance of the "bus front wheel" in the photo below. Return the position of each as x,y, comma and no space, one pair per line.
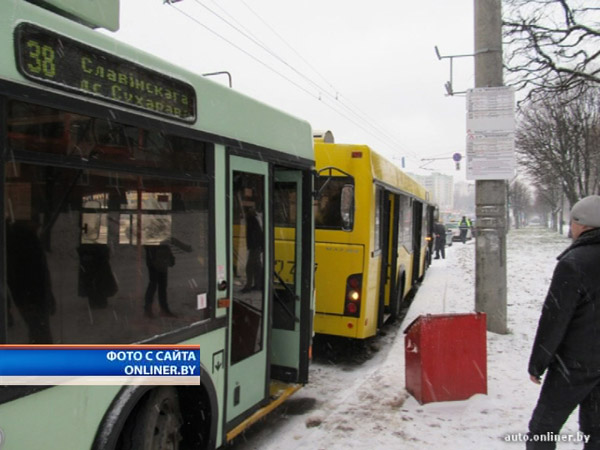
158,421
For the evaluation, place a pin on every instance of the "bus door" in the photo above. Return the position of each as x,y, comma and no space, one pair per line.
393,288
286,345
249,225
417,239
385,199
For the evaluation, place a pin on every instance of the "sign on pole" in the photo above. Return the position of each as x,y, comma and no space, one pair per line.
490,133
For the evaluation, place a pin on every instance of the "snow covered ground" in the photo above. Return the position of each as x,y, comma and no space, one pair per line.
362,403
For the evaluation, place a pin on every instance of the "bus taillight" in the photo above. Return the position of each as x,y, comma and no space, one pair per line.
353,295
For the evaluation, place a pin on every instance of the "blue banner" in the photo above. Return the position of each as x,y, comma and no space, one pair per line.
100,361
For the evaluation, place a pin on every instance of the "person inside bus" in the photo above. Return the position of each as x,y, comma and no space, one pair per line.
28,279
440,240
254,244
158,260
97,281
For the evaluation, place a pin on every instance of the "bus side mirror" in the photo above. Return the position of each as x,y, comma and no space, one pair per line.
347,207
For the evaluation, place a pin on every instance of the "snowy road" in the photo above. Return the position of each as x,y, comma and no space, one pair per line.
361,402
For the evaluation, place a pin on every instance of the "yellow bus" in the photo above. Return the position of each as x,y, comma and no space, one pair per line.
372,230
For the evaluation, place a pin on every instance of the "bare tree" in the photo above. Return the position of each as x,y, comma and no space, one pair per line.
548,202
552,45
557,142
519,198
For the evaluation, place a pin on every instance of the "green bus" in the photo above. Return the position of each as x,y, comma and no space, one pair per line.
145,204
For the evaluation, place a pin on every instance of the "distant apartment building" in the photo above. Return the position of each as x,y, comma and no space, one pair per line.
464,197
441,188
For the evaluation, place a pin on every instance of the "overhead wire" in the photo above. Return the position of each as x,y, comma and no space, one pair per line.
382,135
352,108
240,49
252,37
359,124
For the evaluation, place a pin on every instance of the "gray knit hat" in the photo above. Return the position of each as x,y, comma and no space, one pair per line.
587,211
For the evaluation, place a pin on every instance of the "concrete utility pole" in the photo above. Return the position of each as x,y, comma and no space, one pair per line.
490,195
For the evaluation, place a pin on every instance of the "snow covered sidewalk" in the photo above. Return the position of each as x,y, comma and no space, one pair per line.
486,421
367,407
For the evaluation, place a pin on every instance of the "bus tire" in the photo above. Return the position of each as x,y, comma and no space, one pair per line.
157,422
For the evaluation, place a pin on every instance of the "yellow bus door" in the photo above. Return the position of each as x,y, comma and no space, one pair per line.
417,239
384,275
394,293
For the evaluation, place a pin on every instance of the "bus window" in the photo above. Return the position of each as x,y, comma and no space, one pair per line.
94,221
284,212
334,208
405,224
94,234
347,207
155,222
377,235
249,270
40,129
285,208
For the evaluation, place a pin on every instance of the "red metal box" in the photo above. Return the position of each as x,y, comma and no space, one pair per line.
446,357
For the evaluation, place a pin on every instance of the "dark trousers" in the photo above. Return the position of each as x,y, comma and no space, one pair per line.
37,318
463,235
158,280
440,249
254,272
561,393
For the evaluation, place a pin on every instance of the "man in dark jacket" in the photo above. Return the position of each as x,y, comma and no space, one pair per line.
567,342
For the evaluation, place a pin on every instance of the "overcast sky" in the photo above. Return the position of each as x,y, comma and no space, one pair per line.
367,71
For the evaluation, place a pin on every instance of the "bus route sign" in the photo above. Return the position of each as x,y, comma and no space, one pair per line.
64,63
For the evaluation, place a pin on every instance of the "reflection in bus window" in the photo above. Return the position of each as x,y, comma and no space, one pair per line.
40,129
95,225
405,223
249,270
377,232
285,209
285,204
347,207
29,285
110,272
330,211
150,227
